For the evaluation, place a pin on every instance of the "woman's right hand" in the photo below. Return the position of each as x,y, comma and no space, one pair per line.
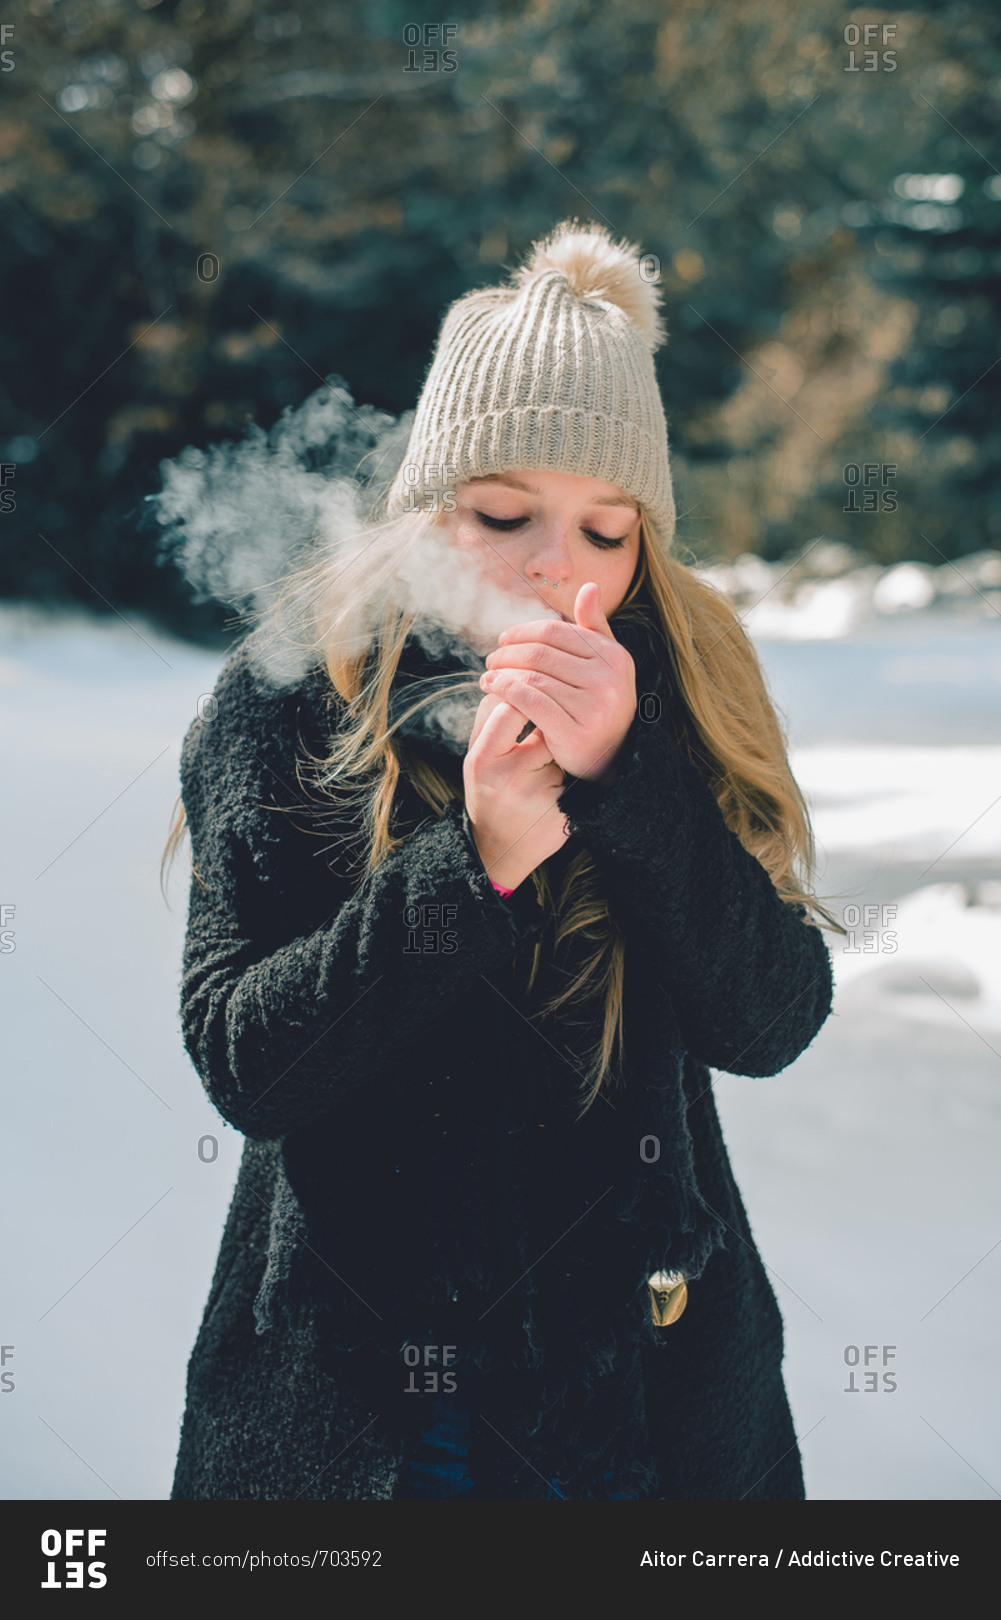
511,789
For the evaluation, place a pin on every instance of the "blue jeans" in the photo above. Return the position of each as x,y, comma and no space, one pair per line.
439,1465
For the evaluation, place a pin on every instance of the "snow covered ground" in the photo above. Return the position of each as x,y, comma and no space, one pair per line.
868,1168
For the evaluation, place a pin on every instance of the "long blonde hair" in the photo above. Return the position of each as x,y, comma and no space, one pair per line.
732,735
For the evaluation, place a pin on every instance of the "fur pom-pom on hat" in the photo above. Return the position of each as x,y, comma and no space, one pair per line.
596,266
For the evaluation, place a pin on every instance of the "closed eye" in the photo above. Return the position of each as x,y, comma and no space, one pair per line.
605,540
501,523
609,542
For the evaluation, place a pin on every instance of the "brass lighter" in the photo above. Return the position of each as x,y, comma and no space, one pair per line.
668,1296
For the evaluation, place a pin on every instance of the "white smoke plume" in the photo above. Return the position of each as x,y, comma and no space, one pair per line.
267,524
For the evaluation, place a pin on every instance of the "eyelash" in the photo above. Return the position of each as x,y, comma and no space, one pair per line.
603,541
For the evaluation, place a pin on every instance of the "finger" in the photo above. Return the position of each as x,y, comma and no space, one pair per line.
515,686
552,632
562,665
552,713
571,638
484,710
534,750
500,730
588,611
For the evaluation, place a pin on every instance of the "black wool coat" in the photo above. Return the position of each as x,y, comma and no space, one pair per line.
418,1193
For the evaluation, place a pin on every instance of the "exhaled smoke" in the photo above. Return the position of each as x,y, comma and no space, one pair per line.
283,526
238,518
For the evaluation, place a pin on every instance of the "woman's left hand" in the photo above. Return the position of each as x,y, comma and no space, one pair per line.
575,681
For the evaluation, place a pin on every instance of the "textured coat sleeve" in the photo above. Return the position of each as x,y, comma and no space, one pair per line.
282,1037
749,979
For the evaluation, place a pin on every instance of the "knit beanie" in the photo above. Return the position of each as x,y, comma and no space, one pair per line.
551,372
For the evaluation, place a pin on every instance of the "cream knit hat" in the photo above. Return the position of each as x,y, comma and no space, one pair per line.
552,372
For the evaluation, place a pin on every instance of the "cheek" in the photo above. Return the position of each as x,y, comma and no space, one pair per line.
614,573
466,537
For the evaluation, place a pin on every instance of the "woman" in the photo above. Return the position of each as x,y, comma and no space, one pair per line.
458,974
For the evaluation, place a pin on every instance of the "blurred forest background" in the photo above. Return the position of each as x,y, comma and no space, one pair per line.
211,210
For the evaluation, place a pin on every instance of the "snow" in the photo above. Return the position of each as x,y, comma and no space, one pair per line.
905,799
829,590
867,1167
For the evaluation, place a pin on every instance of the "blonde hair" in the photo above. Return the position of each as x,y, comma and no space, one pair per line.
731,734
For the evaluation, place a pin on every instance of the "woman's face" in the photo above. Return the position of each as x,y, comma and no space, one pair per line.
529,527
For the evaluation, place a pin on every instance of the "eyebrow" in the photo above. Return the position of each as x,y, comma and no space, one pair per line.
518,483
